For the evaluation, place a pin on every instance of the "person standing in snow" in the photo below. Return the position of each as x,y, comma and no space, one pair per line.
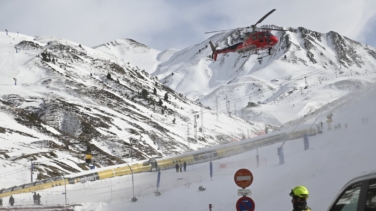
38,199
185,166
299,196
181,166
35,198
15,81
177,167
11,200
1,202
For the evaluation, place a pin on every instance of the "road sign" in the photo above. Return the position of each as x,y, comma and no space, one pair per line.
244,192
243,178
245,204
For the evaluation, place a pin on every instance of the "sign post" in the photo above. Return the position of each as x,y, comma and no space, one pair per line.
244,178
245,204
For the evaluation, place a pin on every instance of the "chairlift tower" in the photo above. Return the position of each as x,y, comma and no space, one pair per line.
195,125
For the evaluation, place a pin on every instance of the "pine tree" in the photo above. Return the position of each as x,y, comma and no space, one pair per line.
144,93
44,56
109,76
173,121
160,103
155,91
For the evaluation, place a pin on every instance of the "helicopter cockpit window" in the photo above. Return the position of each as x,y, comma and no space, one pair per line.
268,34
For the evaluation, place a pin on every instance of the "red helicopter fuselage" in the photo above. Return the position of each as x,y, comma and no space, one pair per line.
254,42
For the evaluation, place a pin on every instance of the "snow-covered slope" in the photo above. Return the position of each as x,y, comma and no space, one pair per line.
69,97
306,70
128,50
112,97
333,158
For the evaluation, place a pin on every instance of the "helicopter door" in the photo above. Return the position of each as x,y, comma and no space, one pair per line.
261,38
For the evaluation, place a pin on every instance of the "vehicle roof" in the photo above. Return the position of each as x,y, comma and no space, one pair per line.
362,177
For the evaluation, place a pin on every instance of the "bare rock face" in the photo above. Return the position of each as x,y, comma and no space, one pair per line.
345,49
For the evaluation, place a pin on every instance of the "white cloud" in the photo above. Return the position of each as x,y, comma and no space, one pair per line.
165,23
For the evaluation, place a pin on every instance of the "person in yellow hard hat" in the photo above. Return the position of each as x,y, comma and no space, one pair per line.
299,196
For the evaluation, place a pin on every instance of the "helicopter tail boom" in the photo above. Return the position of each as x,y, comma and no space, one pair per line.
214,54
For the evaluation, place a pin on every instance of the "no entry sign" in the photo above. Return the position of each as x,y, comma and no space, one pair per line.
245,204
243,178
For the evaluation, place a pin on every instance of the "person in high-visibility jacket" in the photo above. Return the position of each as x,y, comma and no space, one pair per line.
88,158
299,196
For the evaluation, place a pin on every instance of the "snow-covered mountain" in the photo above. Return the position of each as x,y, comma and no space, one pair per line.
112,97
59,97
133,52
306,71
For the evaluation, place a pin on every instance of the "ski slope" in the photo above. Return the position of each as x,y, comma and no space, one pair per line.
333,158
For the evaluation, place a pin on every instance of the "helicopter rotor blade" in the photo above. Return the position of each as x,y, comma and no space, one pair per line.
273,29
267,14
219,31
252,26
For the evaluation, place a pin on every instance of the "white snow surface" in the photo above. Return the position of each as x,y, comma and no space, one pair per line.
128,50
276,86
334,157
276,83
73,90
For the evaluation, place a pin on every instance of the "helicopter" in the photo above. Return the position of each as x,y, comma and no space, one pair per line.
254,41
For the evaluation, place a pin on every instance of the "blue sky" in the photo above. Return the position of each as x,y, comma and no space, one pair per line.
163,24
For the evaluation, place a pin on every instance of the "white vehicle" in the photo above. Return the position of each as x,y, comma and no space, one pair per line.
357,195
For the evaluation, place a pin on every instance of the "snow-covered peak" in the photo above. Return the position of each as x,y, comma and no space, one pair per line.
128,50
303,59
59,97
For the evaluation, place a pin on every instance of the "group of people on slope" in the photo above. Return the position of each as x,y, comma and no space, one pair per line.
299,195
180,167
36,199
11,201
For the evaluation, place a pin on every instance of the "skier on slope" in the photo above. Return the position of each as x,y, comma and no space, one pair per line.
299,196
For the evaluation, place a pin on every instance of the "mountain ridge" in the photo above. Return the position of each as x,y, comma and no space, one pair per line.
58,98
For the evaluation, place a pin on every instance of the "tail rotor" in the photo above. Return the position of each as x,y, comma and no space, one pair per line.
214,54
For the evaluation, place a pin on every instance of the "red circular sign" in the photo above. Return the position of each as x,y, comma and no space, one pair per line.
245,204
243,178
